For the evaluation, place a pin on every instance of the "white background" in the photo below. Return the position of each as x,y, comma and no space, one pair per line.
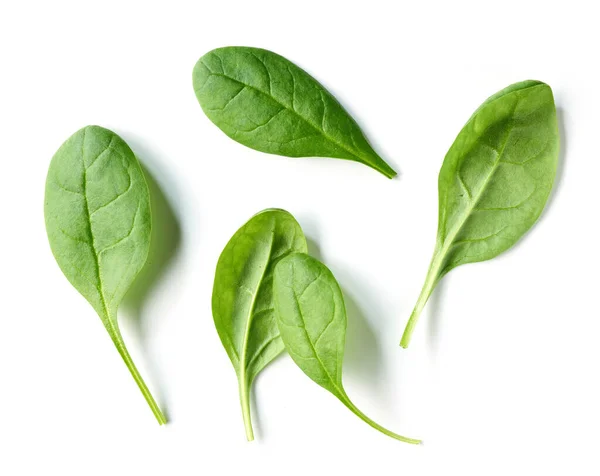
502,374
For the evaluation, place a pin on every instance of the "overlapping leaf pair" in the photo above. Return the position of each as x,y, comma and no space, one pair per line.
270,295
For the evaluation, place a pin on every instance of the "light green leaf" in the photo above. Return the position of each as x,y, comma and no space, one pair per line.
495,181
97,212
242,300
311,316
267,103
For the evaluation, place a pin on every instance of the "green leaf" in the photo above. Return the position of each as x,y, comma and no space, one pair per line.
311,316
495,181
242,300
267,103
97,212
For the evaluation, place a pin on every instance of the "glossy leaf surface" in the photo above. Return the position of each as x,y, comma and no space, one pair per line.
267,103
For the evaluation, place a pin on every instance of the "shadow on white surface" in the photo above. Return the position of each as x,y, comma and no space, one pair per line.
562,155
164,245
433,312
363,359
257,427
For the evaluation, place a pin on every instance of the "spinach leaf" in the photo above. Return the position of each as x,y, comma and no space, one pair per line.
311,315
267,103
242,300
97,212
494,182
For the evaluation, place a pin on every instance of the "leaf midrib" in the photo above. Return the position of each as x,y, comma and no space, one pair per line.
250,317
88,215
338,388
449,241
486,103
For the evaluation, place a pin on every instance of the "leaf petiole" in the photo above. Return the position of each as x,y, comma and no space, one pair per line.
430,282
346,401
120,345
245,402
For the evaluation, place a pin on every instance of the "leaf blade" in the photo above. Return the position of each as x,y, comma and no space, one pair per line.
267,103
312,319
242,300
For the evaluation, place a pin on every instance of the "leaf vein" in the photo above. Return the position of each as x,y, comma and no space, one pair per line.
127,235
309,122
259,352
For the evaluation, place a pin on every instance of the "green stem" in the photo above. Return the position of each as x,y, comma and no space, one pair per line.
346,401
120,345
430,281
245,401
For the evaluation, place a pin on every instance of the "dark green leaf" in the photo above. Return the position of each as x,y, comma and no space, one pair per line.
265,102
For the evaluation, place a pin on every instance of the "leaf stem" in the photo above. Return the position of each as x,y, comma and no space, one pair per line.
430,281
120,345
245,402
346,401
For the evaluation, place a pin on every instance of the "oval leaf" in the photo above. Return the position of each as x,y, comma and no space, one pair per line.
267,103
311,316
495,181
312,319
242,300
97,212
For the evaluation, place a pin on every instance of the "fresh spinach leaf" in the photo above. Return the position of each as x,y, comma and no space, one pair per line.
311,316
97,212
242,300
267,103
494,182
